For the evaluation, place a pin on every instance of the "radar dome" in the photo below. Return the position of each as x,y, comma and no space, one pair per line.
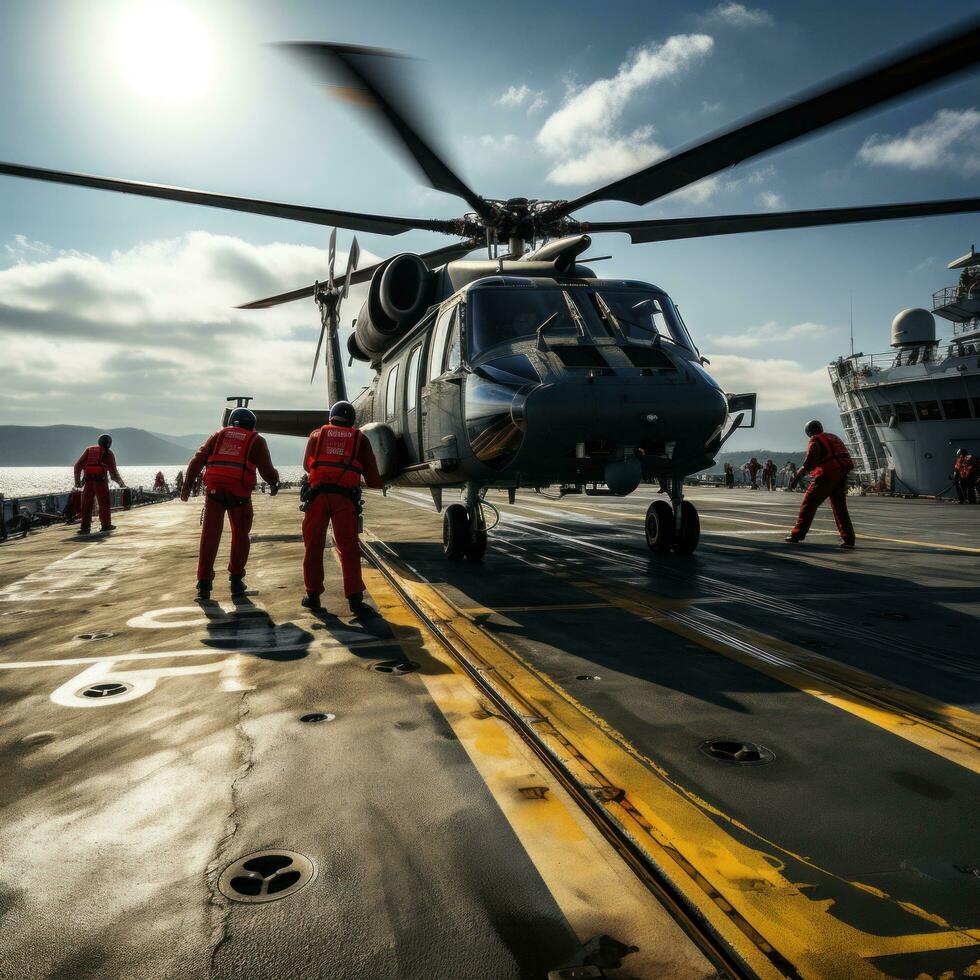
916,326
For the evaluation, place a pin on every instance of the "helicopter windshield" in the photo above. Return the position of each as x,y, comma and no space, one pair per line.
642,314
502,315
498,316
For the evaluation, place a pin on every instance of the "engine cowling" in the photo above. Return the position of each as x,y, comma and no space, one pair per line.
400,291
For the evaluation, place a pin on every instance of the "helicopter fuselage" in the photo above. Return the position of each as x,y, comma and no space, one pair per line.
530,380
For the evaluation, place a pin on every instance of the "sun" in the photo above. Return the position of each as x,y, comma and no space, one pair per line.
163,50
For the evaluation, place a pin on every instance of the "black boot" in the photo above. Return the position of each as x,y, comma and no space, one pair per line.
106,528
82,529
793,539
311,601
204,589
358,606
238,586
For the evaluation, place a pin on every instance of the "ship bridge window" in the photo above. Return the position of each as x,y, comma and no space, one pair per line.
956,408
928,411
872,411
904,412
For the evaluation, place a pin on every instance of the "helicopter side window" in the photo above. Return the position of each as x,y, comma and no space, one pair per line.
412,378
437,349
391,389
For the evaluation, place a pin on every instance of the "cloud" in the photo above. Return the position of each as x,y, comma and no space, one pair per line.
581,136
771,333
149,336
500,143
521,95
769,201
781,384
608,158
950,140
738,15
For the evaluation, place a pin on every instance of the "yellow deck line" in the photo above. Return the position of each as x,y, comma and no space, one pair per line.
595,890
741,890
955,736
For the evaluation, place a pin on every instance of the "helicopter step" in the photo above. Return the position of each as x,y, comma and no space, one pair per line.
673,526
464,527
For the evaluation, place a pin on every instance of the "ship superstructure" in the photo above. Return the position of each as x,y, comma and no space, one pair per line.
906,412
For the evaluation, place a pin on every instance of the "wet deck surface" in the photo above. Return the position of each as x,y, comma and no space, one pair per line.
852,853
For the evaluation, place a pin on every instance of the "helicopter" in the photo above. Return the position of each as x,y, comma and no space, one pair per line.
525,369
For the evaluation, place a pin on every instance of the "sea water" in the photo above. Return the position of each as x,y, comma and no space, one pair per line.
24,481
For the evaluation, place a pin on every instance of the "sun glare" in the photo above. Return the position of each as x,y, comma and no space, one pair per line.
163,50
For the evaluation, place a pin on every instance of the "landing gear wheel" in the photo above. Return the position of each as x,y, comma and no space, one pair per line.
455,532
690,533
660,526
476,544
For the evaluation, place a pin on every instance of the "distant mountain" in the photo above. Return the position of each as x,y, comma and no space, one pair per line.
61,445
285,450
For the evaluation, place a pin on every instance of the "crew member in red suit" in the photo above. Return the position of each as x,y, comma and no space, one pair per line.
95,466
769,475
753,466
337,456
828,462
231,457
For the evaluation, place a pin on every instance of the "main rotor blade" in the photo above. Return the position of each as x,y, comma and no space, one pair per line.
671,229
352,258
316,356
370,77
331,256
432,259
374,223
864,89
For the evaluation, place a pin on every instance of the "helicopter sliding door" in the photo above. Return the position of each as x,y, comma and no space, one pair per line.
441,394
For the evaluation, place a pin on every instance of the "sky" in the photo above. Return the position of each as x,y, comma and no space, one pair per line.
120,311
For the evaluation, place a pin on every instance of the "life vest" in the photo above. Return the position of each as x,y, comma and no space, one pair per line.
335,460
95,461
228,466
837,460
967,467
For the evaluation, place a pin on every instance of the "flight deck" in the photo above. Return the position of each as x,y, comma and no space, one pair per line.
575,759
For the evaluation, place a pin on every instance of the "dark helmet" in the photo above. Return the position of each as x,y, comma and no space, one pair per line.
105,440
813,428
342,413
960,452
244,418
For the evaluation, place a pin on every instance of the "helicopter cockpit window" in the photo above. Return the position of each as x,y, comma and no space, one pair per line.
644,315
453,354
437,348
499,316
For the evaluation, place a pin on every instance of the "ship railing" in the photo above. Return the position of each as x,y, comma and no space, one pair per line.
955,294
863,367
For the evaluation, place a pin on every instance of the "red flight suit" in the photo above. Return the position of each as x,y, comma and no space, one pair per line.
97,464
829,462
336,456
231,457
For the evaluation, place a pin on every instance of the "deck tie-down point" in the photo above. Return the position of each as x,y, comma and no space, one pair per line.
266,876
737,752
395,666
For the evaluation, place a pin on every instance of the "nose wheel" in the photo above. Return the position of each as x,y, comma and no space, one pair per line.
672,527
